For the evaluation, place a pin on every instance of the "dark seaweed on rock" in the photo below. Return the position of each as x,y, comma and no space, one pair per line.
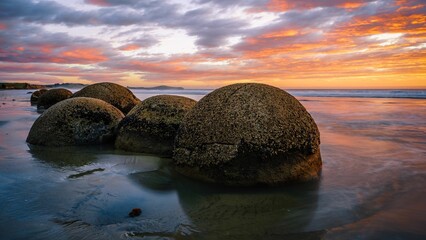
245,134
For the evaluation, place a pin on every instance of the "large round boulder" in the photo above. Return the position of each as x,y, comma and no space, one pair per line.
247,134
53,96
152,125
76,121
117,95
36,95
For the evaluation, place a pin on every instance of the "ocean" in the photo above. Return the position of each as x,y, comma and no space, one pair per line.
372,186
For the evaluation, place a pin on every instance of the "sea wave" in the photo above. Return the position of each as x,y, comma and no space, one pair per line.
411,93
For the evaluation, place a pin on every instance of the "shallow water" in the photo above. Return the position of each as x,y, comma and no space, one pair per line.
372,185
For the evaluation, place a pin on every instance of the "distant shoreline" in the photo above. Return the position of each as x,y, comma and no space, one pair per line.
19,86
162,87
29,86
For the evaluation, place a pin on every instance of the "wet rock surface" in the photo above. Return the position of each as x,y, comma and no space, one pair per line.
76,121
247,134
117,95
52,96
36,95
152,125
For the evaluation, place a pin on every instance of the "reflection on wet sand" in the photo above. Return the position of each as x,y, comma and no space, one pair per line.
157,180
64,156
218,212
258,213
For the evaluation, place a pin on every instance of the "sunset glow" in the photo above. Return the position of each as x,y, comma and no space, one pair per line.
211,43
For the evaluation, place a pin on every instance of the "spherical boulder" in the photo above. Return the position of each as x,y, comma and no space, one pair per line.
76,121
117,95
152,125
248,134
36,95
52,96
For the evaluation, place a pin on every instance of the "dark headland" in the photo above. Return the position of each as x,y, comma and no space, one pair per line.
17,86
5,86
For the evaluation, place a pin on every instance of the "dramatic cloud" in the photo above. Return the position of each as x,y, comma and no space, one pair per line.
26,44
209,43
202,23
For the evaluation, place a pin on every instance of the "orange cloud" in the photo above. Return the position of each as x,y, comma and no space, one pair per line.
278,6
282,33
98,2
46,48
350,5
395,22
285,5
90,55
130,47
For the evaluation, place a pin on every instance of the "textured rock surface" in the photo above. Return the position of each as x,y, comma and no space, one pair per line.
36,95
76,121
117,95
53,96
152,125
246,134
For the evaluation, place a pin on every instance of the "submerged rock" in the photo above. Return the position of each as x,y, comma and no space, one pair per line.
135,212
152,125
246,134
117,95
52,96
36,95
76,121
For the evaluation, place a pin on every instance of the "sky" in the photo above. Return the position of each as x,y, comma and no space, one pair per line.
211,43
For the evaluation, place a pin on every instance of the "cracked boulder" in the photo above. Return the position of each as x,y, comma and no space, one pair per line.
152,125
117,95
248,134
76,121
52,96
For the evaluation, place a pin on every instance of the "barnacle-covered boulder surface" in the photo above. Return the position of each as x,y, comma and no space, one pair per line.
53,96
36,95
152,125
76,121
117,95
247,134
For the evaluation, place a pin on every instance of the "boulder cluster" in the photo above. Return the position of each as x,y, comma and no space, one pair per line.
241,134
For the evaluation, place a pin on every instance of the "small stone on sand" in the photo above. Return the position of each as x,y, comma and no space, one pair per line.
135,212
